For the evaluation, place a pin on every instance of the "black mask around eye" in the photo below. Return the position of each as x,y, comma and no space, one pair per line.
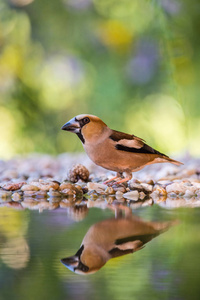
84,121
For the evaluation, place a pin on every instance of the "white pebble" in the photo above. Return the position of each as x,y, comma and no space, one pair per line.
133,195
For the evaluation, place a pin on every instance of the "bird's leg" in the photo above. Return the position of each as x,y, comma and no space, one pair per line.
127,177
123,180
117,177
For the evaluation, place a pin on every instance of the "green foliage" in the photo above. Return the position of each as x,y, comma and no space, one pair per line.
120,60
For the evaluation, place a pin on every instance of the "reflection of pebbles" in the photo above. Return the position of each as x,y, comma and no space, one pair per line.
171,203
78,212
15,253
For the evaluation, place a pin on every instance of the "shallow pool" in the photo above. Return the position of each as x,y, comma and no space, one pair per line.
32,245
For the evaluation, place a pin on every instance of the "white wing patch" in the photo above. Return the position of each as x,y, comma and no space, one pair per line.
134,143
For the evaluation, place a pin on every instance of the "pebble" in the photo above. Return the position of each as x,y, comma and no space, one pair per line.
142,195
189,194
66,185
11,186
41,179
133,195
53,193
5,194
135,186
29,187
109,190
147,187
46,185
38,194
68,192
96,186
120,188
16,197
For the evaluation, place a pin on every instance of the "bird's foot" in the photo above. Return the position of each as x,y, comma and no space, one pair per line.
111,179
122,180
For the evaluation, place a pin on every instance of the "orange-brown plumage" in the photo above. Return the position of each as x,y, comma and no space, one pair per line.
114,150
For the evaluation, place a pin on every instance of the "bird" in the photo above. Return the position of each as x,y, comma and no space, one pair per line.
112,238
114,150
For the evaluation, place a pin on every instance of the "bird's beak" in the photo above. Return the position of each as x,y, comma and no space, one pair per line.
72,126
70,262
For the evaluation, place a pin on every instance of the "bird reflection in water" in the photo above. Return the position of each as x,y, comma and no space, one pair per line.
113,238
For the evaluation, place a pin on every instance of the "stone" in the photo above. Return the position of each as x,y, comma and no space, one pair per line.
11,186
133,195
5,194
147,187
142,195
96,186
29,187
188,194
110,190
16,197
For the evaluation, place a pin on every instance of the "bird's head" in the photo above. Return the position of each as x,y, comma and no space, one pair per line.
88,260
86,127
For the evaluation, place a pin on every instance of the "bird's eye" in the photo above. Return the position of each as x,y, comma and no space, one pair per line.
86,120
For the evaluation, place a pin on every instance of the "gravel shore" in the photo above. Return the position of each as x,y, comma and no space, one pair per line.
71,180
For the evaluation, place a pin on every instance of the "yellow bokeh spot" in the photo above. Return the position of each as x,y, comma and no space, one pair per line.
7,129
115,34
15,253
161,121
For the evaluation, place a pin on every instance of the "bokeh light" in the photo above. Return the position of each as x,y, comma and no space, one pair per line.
120,60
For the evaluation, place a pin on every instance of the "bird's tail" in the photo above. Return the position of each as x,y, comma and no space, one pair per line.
168,159
173,161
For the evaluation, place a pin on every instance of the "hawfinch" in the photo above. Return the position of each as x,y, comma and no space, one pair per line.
114,150
112,238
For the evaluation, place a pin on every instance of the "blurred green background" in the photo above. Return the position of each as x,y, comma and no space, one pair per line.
135,64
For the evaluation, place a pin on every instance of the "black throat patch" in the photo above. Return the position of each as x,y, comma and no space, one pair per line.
79,134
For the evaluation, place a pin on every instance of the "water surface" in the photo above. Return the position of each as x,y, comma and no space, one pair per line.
32,244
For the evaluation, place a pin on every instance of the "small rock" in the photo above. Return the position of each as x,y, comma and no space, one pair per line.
176,187
66,185
53,193
135,186
172,195
142,195
151,182
133,195
119,196
69,192
110,190
46,185
38,194
29,187
120,188
5,194
16,197
160,190
188,194
147,187
31,204
11,186
96,186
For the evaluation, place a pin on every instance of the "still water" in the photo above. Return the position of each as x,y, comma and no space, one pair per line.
165,263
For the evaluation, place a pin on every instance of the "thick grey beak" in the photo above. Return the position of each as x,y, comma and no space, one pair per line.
72,126
70,262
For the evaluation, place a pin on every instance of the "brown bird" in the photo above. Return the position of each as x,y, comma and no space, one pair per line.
114,150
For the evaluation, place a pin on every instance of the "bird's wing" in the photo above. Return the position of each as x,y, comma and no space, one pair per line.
131,143
130,244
